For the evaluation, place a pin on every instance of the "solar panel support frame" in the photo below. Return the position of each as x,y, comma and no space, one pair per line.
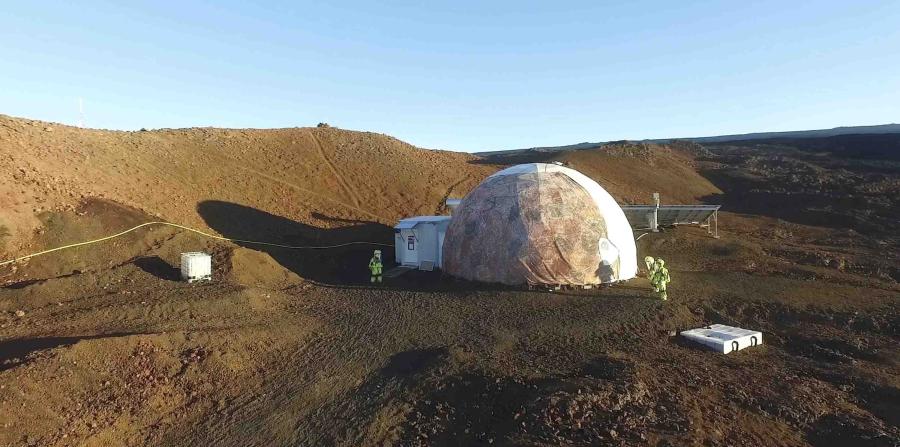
643,217
712,224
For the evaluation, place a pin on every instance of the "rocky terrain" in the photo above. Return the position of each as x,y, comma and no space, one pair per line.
102,345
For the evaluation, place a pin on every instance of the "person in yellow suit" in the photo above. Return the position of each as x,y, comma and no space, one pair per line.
659,277
375,266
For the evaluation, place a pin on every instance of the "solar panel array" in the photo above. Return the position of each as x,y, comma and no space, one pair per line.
668,214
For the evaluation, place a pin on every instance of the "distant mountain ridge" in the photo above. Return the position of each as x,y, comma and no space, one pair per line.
817,133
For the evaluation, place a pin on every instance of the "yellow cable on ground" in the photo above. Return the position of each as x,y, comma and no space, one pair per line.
270,244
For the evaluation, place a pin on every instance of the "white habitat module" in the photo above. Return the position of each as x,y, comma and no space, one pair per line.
196,266
724,339
419,241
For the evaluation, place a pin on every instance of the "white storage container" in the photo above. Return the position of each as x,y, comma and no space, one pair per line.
196,266
724,339
419,241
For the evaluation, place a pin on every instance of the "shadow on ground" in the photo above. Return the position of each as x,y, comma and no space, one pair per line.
157,267
337,266
22,284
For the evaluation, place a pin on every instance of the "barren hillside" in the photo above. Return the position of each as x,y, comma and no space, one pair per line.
631,172
308,182
310,175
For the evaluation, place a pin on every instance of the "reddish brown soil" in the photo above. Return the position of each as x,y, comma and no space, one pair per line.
295,348
314,176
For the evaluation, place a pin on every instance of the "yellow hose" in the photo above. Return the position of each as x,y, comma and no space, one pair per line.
270,244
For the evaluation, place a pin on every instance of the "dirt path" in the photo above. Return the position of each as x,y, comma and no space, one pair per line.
354,206
348,190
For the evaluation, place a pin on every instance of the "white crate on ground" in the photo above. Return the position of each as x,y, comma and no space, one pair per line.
196,266
724,339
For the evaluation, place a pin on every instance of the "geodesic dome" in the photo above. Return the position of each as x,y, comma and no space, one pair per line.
539,223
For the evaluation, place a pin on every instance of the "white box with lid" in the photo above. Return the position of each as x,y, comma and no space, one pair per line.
724,339
196,266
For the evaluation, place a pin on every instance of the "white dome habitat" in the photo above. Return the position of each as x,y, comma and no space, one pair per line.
539,223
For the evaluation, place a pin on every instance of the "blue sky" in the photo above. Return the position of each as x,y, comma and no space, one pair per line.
457,75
